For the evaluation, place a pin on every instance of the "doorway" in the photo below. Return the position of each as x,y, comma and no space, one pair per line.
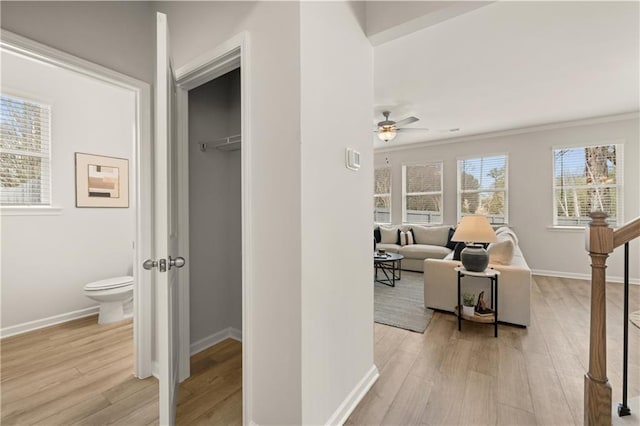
213,158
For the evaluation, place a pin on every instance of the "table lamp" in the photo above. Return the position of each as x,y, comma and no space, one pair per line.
471,230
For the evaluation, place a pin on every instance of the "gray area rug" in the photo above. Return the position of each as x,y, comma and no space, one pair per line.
402,306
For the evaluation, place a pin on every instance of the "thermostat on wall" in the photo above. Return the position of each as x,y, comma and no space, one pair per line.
353,159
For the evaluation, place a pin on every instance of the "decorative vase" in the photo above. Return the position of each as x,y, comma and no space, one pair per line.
468,311
474,258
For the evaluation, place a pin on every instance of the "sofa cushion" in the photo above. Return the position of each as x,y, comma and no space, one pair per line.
424,251
501,252
391,248
507,232
388,235
431,235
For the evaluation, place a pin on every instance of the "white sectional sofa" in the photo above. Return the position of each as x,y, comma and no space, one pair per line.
514,283
429,243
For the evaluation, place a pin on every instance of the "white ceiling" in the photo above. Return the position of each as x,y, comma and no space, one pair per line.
512,64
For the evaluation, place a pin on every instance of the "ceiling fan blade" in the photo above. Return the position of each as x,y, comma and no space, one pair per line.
413,129
406,121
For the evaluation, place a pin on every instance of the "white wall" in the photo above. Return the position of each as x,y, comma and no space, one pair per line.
117,35
337,294
215,250
530,195
274,176
46,260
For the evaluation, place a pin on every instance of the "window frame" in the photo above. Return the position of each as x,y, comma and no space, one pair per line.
405,193
619,185
376,195
46,208
459,161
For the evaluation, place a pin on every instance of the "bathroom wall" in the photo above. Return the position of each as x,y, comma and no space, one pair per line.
47,259
215,248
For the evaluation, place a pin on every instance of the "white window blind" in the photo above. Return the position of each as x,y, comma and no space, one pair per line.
422,193
382,195
586,179
482,188
25,176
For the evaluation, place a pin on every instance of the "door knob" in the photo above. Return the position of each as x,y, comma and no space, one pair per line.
160,264
149,264
178,262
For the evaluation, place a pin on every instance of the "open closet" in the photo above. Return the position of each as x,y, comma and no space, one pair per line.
215,210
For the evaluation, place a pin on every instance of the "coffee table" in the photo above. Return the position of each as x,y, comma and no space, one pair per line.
390,267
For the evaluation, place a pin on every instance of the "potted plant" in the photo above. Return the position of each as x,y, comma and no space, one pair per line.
468,304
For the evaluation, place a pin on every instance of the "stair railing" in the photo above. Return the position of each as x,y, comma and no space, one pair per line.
600,241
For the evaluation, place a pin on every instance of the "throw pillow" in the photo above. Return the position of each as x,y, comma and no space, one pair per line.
410,239
501,252
377,235
406,238
456,251
451,244
431,235
388,235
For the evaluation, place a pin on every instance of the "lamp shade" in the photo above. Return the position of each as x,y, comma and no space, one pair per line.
474,229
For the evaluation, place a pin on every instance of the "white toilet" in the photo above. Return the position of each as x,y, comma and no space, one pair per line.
112,294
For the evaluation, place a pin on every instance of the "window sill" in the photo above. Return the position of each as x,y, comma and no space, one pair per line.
31,211
566,228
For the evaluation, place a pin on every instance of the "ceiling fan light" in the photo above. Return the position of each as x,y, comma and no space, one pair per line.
387,134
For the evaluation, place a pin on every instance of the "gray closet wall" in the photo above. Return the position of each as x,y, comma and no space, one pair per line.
215,240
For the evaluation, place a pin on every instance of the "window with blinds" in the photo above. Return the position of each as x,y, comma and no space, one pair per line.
382,195
482,188
422,193
25,176
586,179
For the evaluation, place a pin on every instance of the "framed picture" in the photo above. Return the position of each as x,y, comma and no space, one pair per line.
101,181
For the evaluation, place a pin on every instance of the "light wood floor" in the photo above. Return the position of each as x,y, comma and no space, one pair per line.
524,377
81,373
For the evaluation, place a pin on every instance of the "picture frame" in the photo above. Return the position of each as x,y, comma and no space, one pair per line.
101,181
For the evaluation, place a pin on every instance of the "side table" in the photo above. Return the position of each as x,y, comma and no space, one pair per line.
492,275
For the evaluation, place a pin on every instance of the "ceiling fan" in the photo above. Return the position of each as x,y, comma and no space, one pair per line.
388,129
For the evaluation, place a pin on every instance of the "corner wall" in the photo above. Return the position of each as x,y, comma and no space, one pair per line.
337,292
548,251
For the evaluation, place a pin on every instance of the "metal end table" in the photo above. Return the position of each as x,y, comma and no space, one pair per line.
492,275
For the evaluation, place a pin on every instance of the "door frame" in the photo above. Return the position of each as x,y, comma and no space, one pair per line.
140,192
229,55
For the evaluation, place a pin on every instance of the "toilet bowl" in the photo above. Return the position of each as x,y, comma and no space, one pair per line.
112,294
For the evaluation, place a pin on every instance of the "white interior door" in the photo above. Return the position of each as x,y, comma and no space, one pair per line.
166,232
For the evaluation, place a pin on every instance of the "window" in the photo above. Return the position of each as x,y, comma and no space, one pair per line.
422,193
24,153
382,196
586,179
482,188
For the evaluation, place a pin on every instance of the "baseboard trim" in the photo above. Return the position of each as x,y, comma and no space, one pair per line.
205,343
559,274
214,339
355,396
47,322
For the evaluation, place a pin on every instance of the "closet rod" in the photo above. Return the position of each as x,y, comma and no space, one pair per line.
231,143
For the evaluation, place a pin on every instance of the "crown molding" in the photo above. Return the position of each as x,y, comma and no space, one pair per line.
515,131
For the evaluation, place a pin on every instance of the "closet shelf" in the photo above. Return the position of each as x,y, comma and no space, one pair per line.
231,143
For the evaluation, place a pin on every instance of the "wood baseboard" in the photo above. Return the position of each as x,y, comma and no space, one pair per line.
47,322
559,274
352,400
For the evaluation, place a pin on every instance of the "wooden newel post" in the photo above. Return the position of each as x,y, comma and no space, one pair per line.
597,390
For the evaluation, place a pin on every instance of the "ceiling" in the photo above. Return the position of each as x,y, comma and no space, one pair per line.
509,65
